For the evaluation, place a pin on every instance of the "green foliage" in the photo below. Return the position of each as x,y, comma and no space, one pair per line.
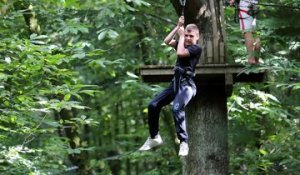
37,82
264,127
264,119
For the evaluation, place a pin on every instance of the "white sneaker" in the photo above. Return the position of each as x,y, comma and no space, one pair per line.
183,149
151,143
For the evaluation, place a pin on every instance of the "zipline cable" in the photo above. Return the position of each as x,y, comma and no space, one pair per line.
279,5
272,5
236,4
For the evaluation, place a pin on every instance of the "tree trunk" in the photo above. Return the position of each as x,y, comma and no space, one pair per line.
29,15
207,128
3,8
71,132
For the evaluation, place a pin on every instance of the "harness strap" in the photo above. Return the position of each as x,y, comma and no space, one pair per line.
245,11
253,10
180,75
184,72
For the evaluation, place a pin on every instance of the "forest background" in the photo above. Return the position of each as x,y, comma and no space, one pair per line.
71,100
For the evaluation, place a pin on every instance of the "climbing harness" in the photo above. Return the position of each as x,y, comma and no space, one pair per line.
181,77
184,72
182,4
253,10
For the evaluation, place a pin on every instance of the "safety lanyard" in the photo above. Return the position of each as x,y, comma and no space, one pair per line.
182,3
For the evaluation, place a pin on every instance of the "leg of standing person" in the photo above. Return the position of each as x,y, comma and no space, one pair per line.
256,48
249,41
253,47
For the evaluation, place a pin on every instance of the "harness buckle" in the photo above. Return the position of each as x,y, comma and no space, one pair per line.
184,71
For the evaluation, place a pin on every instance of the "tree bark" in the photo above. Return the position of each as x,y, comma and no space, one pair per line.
3,8
71,132
207,128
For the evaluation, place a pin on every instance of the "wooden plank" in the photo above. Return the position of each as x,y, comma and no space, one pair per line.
215,39
222,51
212,73
209,52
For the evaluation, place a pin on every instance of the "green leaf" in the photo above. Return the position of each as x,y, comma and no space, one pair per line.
132,75
67,97
38,42
74,151
6,103
88,92
96,52
102,35
37,37
263,152
72,3
112,34
79,55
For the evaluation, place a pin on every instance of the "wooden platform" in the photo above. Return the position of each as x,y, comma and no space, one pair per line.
207,74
